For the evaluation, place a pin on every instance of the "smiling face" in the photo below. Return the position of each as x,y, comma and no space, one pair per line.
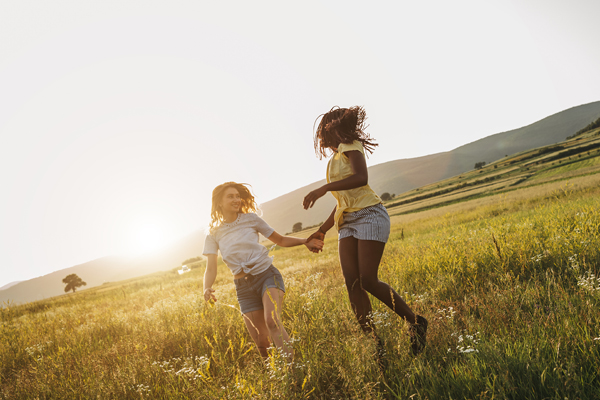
231,201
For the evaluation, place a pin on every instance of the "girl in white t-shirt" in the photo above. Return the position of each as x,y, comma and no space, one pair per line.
234,231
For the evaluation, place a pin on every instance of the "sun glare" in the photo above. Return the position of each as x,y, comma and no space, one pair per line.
148,238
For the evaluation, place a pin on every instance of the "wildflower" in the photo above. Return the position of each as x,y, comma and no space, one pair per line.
468,350
141,388
573,262
380,319
191,367
310,297
589,282
466,342
314,278
447,313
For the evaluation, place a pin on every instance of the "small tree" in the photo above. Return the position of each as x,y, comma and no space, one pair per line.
297,227
73,282
479,165
386,196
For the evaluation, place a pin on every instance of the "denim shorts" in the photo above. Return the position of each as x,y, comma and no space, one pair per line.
251,288
370,223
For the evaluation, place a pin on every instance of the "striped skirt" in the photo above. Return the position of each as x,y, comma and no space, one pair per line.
370,223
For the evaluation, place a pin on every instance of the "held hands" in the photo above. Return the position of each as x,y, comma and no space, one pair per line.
319,234
208,294
311,198
317,237
314,245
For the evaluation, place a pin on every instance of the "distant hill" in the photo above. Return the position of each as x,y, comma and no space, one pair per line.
402,175
106,269
9,285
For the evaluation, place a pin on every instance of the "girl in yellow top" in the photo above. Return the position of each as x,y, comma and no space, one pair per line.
362,222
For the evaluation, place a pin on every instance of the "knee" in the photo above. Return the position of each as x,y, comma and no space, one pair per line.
272,322
369,283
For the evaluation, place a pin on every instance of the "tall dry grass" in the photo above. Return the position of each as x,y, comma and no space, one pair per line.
510,288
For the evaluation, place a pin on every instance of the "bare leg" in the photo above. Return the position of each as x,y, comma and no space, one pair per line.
255,323
369,256
359,299
273,302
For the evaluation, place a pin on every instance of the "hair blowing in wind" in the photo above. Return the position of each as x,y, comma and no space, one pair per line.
342,125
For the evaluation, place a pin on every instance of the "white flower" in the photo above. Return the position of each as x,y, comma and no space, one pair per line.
314,278
466,342
589,282
446,312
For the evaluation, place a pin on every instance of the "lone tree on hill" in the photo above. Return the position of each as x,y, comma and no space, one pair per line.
386,196
73,282
479,165
297,227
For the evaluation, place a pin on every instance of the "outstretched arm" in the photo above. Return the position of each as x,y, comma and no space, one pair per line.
290,241
359,177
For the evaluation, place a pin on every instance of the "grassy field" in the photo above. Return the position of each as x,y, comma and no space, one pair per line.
503,261
510,288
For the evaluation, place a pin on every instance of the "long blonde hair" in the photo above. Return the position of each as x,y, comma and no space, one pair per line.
247,200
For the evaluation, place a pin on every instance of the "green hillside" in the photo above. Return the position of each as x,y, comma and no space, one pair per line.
575,157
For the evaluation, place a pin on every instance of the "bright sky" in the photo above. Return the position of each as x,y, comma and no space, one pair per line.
118,118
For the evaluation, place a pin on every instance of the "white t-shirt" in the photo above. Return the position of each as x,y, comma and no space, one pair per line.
238,243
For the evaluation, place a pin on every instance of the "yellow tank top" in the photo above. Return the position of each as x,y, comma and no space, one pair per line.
351,200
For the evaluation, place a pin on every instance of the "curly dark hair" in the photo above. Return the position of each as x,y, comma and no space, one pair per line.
248,203
342,125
